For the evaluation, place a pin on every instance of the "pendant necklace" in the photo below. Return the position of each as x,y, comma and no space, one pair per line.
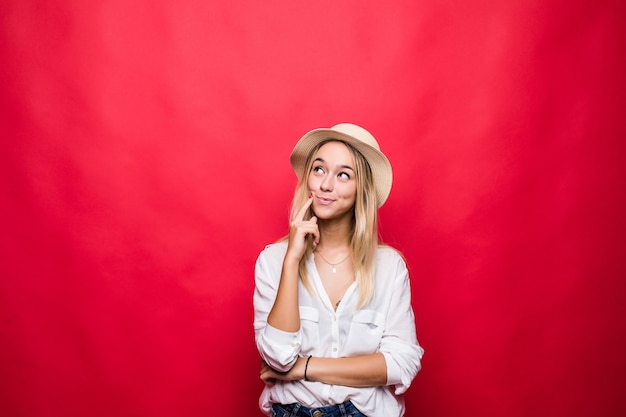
334,266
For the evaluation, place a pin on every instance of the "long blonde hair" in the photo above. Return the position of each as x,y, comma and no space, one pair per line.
364,228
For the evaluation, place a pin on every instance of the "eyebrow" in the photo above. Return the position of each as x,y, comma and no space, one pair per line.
340,166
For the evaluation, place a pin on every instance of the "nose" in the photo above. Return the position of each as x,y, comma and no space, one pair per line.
327,183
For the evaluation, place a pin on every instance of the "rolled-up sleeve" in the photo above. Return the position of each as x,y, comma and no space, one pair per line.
279,349
399,344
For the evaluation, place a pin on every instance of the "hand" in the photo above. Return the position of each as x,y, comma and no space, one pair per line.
266,374
299,231
269,375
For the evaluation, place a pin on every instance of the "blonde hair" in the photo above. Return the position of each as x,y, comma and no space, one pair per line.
364,228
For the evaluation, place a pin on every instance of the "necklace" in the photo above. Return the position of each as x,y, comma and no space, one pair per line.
334,266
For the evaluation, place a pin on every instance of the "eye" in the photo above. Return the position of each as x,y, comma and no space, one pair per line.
344,175
317,169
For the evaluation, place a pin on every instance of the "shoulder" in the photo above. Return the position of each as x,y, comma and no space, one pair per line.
275,251
389,255
270,259
391,271
280,246
390,263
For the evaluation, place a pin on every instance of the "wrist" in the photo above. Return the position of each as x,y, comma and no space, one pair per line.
306,367
291,262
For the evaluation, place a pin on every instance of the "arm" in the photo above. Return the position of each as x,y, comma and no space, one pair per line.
399,355
285,314
357,371
276,312
278,348
402,351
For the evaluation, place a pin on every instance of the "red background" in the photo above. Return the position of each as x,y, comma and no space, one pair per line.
144,165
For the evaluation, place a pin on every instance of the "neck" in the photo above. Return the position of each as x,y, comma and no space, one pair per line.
334,234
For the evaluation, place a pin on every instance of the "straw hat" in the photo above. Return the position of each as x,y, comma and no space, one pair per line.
361,140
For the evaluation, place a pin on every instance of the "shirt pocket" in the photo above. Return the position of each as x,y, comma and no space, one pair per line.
309,321
366,332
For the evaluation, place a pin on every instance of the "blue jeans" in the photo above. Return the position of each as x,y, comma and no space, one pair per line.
346,409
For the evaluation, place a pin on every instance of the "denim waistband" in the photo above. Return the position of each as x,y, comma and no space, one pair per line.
346,409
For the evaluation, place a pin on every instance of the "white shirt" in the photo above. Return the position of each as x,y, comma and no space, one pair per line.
385,325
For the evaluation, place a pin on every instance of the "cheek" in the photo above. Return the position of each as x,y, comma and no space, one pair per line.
348,192
313,182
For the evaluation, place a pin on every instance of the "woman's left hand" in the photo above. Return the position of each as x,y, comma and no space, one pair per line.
269,375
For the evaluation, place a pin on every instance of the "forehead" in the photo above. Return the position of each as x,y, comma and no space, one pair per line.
336,153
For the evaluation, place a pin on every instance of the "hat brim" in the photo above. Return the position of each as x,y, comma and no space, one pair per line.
379,164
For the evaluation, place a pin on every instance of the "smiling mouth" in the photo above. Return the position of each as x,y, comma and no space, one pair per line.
324,200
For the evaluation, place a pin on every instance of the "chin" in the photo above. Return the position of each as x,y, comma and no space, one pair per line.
331,214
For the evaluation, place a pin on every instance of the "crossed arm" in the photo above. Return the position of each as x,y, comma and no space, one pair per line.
358,371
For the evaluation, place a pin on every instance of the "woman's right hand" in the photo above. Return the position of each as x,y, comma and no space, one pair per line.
285,314
299,231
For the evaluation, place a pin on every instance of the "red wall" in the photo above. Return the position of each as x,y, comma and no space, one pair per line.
144,165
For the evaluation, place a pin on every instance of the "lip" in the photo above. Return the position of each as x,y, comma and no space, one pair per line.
323,200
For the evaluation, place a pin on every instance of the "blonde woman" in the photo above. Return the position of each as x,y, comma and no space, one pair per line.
332,305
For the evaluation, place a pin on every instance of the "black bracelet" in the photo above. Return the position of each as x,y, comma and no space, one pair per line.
306,365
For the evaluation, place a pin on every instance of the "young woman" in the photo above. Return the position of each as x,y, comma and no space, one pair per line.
332,305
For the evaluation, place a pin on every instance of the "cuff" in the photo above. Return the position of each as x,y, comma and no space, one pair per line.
281,348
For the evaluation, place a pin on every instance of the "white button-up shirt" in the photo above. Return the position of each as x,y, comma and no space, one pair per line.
385,325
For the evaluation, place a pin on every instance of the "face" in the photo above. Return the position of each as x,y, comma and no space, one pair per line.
332,181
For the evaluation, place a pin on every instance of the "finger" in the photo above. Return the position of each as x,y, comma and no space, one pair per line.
315,232
302,212
310,229
269,382
268,377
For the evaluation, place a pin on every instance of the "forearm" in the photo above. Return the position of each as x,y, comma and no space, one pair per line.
285,313
358,371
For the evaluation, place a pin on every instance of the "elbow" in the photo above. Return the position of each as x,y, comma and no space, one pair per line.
282,365
403,367
278,360
278,349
